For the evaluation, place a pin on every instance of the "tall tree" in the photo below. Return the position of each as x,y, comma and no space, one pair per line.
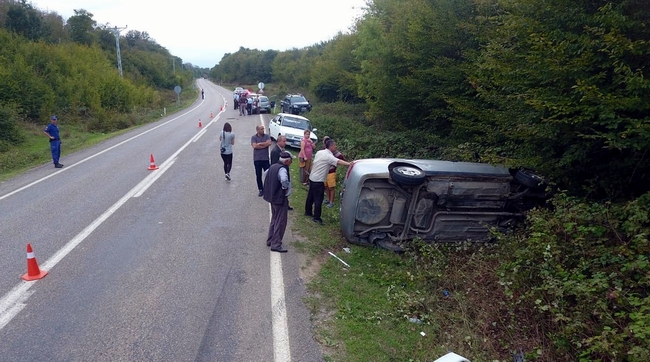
81,26
413,59
333,77
568,83
22,18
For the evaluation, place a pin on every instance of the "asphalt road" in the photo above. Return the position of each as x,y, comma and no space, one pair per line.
165,265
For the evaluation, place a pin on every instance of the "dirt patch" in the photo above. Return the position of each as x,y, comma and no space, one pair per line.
308,266
321,312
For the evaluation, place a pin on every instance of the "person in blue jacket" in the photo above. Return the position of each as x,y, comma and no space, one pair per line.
52,131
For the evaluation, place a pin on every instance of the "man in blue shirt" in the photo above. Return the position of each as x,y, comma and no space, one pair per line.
52,131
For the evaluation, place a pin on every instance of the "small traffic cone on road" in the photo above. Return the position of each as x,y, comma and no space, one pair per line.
221,109
200,124
33,271
152,163
211,115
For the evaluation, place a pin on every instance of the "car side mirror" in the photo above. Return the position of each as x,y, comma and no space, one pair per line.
314,130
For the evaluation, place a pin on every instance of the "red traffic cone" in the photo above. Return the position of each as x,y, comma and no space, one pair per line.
200,124
221,109
33,271
211,115
152,163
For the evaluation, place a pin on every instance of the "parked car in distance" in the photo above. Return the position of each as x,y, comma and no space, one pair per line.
291,126
389,200
265,104
255,105
295,104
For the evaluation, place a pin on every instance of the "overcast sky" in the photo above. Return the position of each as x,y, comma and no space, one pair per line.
202,31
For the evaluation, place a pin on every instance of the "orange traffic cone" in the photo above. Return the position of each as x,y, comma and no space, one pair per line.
211,116
200,124
33,271
221,109
152,163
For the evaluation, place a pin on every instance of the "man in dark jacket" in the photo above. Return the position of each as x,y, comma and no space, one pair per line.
280,145
277,187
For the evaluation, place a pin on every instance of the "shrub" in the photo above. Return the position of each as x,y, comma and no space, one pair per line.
583,267
9,131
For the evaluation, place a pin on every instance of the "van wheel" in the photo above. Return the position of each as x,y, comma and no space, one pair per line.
407,175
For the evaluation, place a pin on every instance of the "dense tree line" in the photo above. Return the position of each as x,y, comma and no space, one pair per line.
559,85
51,66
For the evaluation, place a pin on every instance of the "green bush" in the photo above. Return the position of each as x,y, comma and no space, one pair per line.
9,131
358,138
583,267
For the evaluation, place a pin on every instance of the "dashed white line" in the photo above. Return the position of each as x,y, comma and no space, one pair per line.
95,155
15,300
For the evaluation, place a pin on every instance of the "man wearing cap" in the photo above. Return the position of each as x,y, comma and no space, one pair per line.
52,131
280,146
277,187
323,160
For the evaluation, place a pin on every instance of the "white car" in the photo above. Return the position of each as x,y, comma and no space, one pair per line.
291,126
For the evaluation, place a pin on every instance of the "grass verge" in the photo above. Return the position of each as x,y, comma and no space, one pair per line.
35,150
415,306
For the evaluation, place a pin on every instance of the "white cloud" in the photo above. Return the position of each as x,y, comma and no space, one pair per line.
201,31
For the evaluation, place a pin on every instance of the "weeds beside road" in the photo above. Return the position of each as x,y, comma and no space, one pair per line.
362,313
570,284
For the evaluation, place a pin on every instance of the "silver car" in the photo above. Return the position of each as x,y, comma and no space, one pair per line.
386,201
265,104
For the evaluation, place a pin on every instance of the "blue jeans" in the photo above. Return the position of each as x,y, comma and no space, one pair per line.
55,147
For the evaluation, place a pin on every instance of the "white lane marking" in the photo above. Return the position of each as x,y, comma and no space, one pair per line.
161,170
281,347
214,120
281,350
15,300
12,303
95,155
205,128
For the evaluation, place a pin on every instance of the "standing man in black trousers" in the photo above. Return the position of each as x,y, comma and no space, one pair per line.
260,143
277,187
323,160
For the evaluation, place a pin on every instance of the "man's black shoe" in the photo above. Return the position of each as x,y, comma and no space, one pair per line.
261,193
319,221
58,165
289,208
279,250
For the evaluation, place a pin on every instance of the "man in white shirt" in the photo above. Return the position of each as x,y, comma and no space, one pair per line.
323,160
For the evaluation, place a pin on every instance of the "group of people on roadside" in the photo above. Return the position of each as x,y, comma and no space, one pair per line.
319,175
307,148
245,102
